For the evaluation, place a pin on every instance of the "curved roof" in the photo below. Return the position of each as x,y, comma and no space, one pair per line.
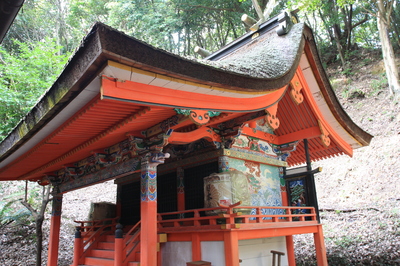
116,84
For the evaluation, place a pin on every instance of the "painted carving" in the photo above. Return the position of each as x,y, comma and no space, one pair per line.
148,176
295,92
223,164
283,151
57,205
96,167
200,146
239,121
108,173
252,145
271,117
200,117
324,135
164,126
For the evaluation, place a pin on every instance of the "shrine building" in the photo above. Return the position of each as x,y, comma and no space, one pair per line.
205,153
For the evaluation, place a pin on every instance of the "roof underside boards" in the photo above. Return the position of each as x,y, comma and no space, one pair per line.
100,124
96,100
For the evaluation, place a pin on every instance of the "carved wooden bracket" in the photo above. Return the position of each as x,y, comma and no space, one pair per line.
188,137
271,118
324,135
295,92
199,117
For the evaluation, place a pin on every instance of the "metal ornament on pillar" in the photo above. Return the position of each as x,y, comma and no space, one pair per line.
223,164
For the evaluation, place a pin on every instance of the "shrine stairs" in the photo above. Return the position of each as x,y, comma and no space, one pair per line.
103,253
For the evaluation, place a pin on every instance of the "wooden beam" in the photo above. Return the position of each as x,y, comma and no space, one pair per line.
307,133
188,137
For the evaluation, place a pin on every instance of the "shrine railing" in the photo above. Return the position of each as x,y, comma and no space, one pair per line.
235,216
131,242
88,233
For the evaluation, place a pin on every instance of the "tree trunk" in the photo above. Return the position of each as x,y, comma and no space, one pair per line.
388,54
336,30
39,239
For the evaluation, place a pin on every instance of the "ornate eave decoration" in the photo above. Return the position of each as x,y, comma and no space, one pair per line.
271,118
199,117
295,92
324,135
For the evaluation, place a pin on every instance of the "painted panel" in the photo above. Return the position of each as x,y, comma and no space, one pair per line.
213,251
263,182
257,252
176,253
253,145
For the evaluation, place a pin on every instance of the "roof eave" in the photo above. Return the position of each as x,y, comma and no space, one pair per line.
8,12
363,137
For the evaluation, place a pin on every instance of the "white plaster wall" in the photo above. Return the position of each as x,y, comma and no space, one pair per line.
257,252
176,253
213,251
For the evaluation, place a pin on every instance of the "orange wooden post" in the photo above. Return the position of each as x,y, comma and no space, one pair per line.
290,251
119,246
196,247
320,247
78,246
148,207
231,245
180,189
55,222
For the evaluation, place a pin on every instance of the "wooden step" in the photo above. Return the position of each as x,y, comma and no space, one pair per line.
134,263
109,238
102,253
106,245
99,261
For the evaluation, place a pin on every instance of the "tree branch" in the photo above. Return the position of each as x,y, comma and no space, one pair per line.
365,19
30,208
258,10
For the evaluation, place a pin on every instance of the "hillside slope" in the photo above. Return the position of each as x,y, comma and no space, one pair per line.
359,197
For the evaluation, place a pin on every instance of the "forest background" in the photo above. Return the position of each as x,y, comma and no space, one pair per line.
46,33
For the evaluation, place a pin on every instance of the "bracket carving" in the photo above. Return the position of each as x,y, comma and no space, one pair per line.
295,92
271,118
199,117
324,135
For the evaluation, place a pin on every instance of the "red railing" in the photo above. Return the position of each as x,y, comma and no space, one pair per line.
90,233
235,216
131,242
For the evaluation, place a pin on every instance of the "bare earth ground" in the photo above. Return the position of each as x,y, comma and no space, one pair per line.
358,197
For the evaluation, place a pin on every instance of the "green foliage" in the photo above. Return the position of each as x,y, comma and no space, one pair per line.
11,210
379,84
175,25
25,73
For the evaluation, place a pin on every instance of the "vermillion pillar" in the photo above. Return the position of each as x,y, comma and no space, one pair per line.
148,207
55,222
290,251
320,249
231,245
